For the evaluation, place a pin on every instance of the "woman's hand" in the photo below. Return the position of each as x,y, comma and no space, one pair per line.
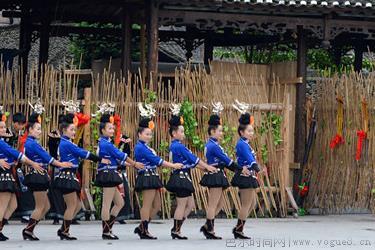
211,169
4,165
37,167
177,165
139,165
66,164
245,171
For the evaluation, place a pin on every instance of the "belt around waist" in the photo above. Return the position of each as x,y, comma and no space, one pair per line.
148,171
66,170
108,168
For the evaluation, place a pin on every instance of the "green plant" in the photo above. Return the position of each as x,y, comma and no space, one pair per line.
94,124
227,142
264,153
272,121
97,193
190,124
151,96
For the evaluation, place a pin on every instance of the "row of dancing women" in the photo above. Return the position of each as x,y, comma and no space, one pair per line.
146,162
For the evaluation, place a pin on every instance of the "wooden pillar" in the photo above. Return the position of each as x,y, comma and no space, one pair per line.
143,52
86,173
24,45
337,56
126,42
208,51
152,41
358,56
189,48
300,118
44,41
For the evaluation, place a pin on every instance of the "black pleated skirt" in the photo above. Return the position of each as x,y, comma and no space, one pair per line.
148,179
108,178
7,182
37,182
242,181
215,180
180,182
67,182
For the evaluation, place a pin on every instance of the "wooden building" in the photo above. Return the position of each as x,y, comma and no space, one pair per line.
334,24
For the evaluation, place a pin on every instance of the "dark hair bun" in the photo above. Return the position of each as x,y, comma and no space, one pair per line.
105,118
34,118
68,118
244,119
214,120
144,122
175,121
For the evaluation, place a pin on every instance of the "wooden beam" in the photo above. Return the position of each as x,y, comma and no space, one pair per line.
152,9
300,118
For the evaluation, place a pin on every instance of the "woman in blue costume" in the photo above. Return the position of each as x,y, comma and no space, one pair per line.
180,181
247,183
216,182
108,177
8,187
148,181
66,180
38,181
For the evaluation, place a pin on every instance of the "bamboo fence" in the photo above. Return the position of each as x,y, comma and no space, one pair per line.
340,183
253,84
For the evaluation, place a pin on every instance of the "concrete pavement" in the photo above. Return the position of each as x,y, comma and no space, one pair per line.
308,232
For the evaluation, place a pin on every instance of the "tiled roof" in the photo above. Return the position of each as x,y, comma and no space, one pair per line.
312,3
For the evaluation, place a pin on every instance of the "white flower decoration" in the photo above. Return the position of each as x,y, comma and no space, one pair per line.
38,107
146,110
241,107
105,108
71,106
218,108
175,109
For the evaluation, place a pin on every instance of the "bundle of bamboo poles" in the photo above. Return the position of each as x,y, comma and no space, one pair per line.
49,85
340,183
226,83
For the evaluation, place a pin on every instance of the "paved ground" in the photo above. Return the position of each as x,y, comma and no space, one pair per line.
309,232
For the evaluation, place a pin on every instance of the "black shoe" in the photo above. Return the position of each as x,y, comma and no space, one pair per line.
122,222
109,236
3,237
239,235
148,236
56,222
138,231
27,235
204,231
65,236
209,235
176,235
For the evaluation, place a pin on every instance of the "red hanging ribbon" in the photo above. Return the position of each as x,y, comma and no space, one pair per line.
303,192
23,141
82,119
117,121
338,139
361,137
